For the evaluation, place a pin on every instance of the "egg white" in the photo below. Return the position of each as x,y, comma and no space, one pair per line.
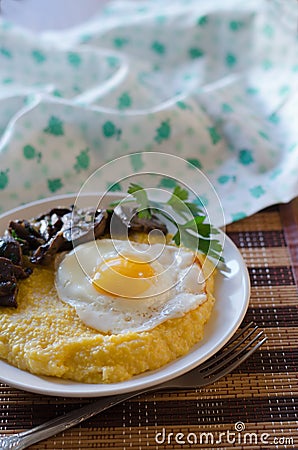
177,288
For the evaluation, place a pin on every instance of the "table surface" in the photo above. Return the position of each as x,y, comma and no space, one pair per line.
252,408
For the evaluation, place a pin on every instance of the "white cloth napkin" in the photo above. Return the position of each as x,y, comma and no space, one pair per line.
212,82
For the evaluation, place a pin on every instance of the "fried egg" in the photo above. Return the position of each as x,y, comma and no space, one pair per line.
120,286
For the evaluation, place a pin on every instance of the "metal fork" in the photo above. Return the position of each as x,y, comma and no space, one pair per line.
219,365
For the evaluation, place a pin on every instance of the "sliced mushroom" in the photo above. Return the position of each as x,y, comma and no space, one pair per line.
44,253
9,299
77,227
9,274
146,225
50,223
11,249
60,212
124,220
24,230
84,225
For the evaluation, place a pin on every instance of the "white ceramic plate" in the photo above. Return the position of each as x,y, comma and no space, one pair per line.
232,296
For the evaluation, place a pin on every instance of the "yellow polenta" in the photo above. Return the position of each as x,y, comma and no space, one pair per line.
44,336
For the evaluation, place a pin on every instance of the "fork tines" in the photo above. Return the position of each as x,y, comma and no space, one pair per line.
239,348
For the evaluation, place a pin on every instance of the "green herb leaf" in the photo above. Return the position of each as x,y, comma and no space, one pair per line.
176,238
16,237
194,223
178,193
194,233
140,195
177,201
193,208
120,202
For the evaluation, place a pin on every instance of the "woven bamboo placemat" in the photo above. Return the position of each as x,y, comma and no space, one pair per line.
252,408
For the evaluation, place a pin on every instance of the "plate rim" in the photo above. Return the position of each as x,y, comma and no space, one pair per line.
142,381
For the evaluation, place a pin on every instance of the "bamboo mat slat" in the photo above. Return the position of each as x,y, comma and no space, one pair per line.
260,396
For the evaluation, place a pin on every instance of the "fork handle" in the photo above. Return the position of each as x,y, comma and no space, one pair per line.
26,438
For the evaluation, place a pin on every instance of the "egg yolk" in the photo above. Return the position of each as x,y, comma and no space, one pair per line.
123,277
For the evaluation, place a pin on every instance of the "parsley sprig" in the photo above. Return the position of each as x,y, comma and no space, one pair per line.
193,232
